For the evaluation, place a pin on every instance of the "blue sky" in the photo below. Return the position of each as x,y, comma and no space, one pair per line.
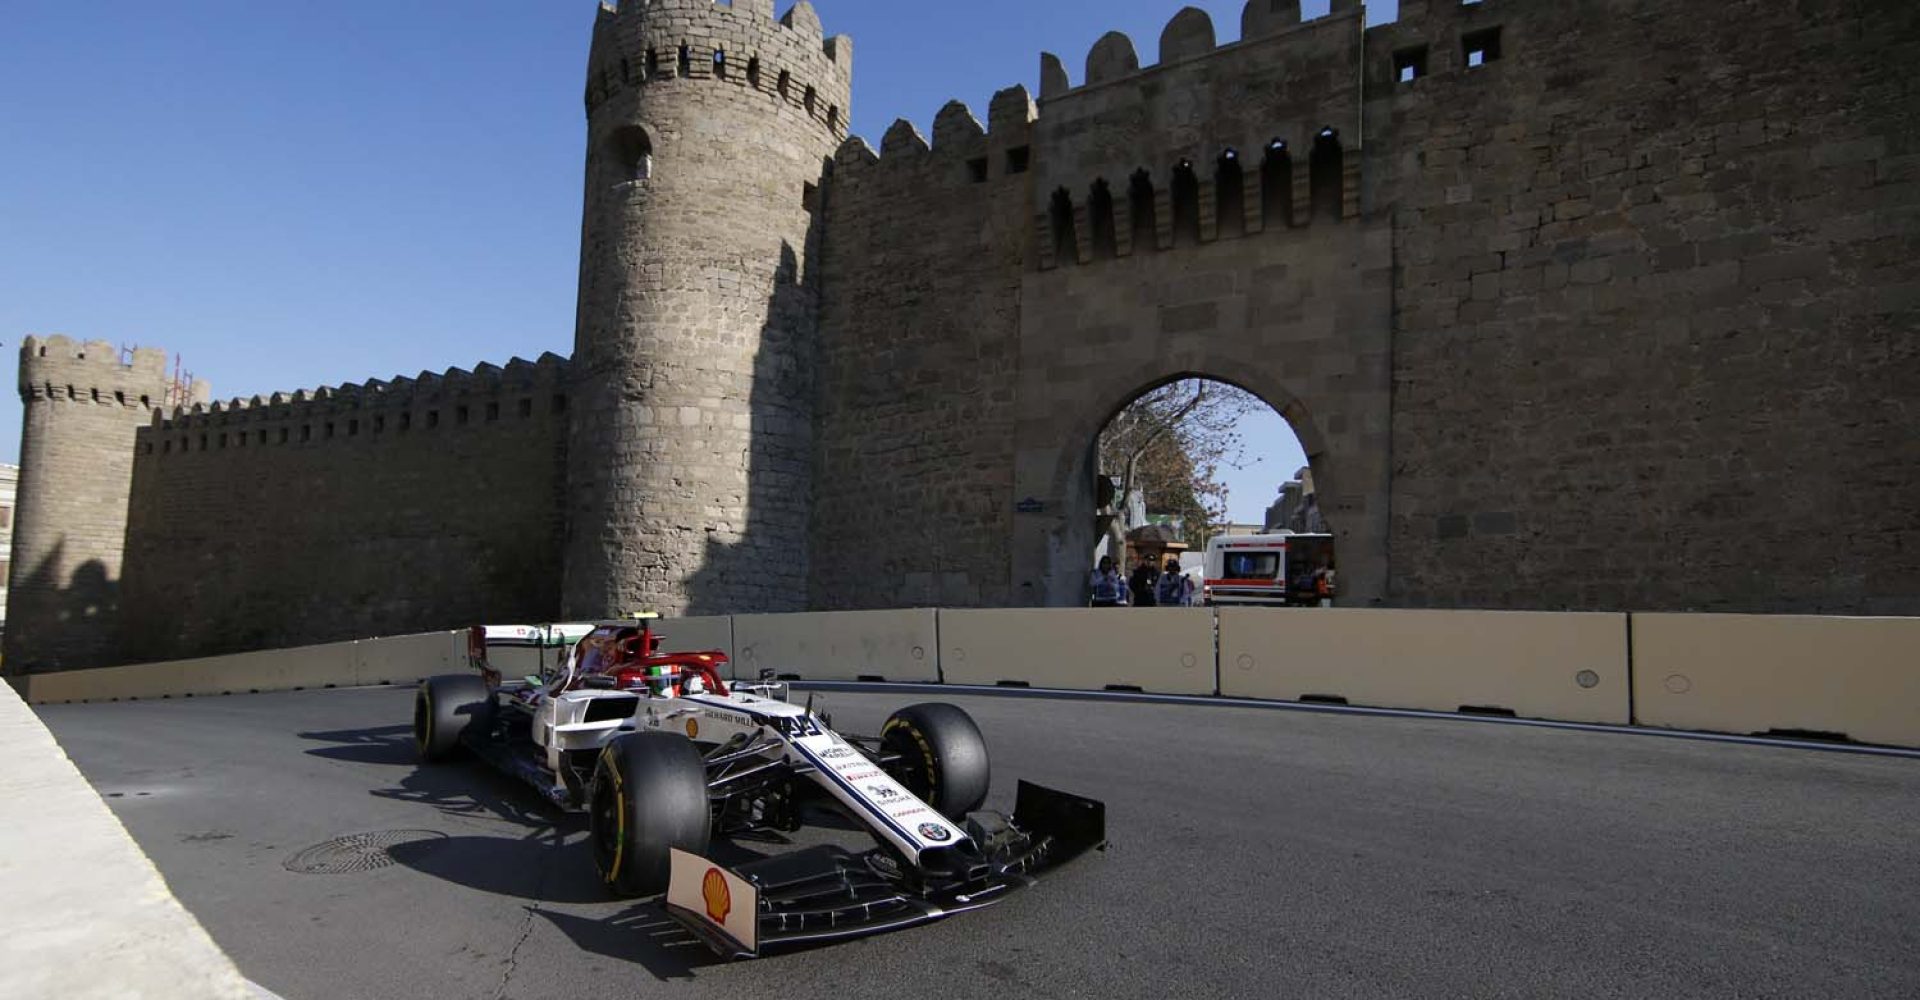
311,192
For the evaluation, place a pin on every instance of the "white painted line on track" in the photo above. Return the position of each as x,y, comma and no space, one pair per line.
1400,713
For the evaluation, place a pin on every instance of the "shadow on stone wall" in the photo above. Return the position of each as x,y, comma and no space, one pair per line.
62,625
764,568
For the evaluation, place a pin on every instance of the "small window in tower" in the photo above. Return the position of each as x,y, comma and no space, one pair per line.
653,63
329,430
753,71
810,197
526,408
240,440
1410,64
559,404
809,100
120,397
203,442
223,439
379,423
461,415
146,449
166,447
631,151
144,401
833,116
686,61
785,85
626,71
283,435
1482,47
353,428
977,170
720,63
262,438
433,419
96,395
1018,159
493,412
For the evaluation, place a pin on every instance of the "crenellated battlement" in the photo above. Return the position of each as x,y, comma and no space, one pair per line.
95,371
962,149
430,401
700,43
1188,36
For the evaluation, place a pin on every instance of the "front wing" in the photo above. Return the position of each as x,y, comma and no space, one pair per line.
824,894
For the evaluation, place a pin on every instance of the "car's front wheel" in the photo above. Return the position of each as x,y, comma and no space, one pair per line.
942,757
649,794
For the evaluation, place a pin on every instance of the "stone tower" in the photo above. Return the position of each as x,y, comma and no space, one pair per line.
83,405
709,129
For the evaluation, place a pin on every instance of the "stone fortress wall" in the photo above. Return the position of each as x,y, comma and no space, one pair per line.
1592,304
1656,293
353,510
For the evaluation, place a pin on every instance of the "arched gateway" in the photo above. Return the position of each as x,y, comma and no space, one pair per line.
1302,323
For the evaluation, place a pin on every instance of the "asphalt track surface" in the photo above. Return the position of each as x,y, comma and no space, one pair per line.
1256,853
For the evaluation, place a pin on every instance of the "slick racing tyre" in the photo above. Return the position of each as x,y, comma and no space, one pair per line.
943,758
649,794
445,709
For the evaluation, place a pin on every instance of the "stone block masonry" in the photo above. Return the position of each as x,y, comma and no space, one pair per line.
84,402
348,512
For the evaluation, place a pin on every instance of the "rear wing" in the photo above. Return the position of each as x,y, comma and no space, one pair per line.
522,650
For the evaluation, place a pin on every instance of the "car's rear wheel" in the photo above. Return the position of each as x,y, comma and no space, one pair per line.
649,795
447,708
942,757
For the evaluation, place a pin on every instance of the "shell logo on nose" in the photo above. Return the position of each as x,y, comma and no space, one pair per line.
719,898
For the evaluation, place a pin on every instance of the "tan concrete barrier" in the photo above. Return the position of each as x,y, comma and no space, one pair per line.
838,645
409,659
86,914
697,635
1160,650
1859,677
1571,667
299,669
392,660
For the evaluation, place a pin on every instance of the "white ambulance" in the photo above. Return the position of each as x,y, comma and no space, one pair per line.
1276,570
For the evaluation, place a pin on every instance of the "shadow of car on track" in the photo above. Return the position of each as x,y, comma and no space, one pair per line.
470,790
378,745
642,934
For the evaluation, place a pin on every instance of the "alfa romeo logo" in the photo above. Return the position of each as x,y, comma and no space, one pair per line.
935,832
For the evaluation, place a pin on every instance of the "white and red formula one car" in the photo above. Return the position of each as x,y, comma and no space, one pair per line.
664,755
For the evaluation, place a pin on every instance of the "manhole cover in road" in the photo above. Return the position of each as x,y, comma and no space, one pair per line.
359,852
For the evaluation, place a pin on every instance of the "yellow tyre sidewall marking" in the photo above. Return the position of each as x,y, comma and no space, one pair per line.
926,748
620,820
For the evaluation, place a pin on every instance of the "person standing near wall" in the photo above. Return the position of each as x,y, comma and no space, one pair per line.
1144,578
1174,589
1109,589
1323,585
